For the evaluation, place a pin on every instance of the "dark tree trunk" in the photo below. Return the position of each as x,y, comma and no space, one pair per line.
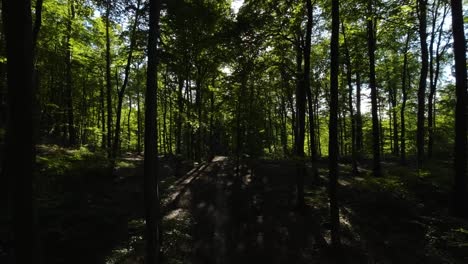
371,42
69,87
139,127
392,112
164,123
422,6
108,82
333,126
121,92
18,168
313,145
459,198
37,24
151,181
359,141
350,101
103,115
300,124
404,90
180,107
434,72
129,130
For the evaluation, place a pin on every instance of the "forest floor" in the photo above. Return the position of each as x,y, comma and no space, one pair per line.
213,216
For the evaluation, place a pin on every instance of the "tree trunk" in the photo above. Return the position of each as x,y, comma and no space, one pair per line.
151,181
359,141
121,92
371,42
129,130
69,87
434,73
459,206
300,125
139,127
179,116
102,115
350,101
108,82
404,98
313,145
18,168
333,126
422,5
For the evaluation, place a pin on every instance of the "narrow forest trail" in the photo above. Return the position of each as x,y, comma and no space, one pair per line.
243,219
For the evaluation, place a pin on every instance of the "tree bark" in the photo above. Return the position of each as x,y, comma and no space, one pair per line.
371,42
359,141
18,168
69,87
422,6
151,181
307,47
300,124
180,107
350,101
459,206
434,71
121,92
333,126
108,82
404,90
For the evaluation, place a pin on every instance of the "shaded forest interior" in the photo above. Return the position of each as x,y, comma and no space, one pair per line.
243,131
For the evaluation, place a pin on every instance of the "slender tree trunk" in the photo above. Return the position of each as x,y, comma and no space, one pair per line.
129,130
164,123
121,92
404,89
396,147
151,181
359,141
179,116
139,127
69,88
372,83
422,6
434,74
333,126
459,206
350,101
108,82
307,47
300,125
102,115
37,25
18,168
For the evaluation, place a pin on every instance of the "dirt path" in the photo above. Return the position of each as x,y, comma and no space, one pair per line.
246,219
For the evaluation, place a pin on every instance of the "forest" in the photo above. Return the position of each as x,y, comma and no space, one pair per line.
233,131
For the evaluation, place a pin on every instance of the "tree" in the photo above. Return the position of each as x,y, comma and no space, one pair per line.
20,148
422,6
333,125
69,79
121,91
404,89
459,206
350,100
371,42
313,144
108,79
151,186
435,58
